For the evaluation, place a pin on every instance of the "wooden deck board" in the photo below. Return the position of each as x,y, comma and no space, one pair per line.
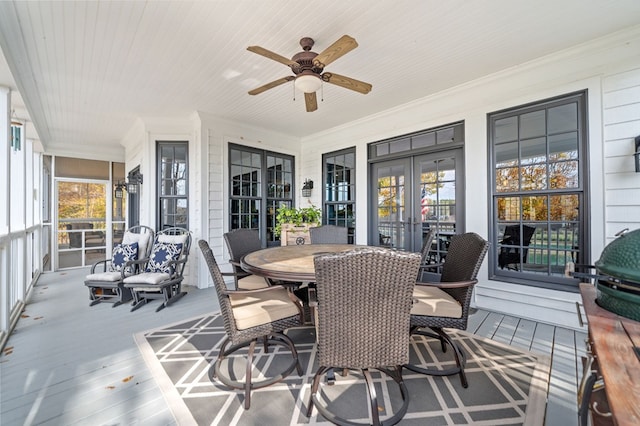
67,355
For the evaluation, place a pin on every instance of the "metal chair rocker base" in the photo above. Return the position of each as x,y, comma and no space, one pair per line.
395,374
445,340
115,294
169,293
248,384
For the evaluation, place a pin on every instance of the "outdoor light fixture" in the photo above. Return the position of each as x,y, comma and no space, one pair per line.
307,187
119,190
636,155
135,179
308,82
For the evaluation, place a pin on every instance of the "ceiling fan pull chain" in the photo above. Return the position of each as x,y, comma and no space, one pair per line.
322,92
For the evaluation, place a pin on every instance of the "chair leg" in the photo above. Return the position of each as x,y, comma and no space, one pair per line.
138,303
248,383
373,398
394,372
458,354
247,376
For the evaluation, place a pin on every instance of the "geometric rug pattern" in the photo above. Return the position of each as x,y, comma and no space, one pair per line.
507,386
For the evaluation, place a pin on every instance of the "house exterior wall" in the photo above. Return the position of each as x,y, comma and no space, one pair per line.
609,69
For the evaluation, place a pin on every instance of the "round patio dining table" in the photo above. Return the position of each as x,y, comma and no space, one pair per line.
290,263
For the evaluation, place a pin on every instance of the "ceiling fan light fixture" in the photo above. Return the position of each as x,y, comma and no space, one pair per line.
308,83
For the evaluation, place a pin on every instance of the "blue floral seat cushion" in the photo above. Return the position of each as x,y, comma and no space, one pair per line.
162,254
122,253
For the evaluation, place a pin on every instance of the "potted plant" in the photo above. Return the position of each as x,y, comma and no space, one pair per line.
292,224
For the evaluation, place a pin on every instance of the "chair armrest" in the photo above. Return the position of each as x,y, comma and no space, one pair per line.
456,284
257,290
104,263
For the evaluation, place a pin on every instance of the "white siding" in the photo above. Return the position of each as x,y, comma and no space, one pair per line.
621,114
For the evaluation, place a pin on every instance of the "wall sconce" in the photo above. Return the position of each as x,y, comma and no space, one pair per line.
636,155
135,179
119,190
307,187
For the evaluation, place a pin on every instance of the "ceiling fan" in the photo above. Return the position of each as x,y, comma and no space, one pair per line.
308,67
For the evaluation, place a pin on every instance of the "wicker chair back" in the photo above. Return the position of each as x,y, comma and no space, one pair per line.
364,301
329,234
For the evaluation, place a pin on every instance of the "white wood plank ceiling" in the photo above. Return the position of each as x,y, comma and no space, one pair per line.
87,69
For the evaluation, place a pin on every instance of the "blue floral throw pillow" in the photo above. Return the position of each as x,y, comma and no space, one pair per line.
122,253
161,255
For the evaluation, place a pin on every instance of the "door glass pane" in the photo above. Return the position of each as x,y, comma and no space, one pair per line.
437,202
81,223
391,206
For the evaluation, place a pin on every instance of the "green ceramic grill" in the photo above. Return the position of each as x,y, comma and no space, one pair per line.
619,266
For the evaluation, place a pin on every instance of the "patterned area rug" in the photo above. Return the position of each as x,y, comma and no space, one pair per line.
506,386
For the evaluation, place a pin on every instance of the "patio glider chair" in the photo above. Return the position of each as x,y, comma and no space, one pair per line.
162,272
241,242
249,316
511,244
364,297
106,280
446,304
329,234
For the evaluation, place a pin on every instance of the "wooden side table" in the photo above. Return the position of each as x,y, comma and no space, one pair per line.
615,343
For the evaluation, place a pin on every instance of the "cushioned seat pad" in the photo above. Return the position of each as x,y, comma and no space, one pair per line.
261,308
105,276
252,282
431,301
147,278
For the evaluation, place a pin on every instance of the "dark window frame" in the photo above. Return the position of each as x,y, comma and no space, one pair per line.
270,196
161,214
329,186
579,252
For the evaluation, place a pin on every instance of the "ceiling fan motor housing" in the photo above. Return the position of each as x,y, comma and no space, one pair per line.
305,62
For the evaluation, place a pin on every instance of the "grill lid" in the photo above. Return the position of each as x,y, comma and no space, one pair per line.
621,258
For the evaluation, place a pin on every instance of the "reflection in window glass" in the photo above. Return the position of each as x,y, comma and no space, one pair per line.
505,130
532,124
339,190
172,169
260,183
538,191
563,118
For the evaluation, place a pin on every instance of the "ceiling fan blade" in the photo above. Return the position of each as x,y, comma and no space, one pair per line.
347,82
311,101
271,85
342,46
271,55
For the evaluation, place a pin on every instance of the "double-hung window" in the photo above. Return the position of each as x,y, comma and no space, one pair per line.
539,191
260,182
173,184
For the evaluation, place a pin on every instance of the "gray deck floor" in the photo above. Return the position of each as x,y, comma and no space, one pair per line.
70,364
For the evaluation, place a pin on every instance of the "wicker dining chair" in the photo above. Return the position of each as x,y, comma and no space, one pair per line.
252,315
241,242
106,280
163,271
425,251
446,304
364,298
329,234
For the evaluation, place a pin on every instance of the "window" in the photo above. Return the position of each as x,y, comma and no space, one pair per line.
339,196
539,191
261,182
173,173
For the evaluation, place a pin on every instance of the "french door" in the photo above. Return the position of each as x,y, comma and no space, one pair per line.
415,194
